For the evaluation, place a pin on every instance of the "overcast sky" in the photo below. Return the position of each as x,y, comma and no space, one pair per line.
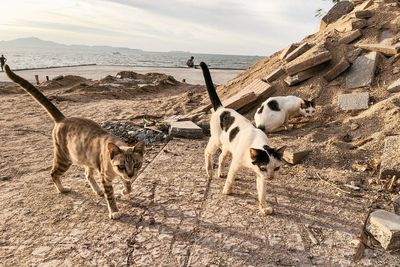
246,27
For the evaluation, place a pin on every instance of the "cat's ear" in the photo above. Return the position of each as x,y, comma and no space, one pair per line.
253,154
280,151
113,150
303,105
312,101
139,147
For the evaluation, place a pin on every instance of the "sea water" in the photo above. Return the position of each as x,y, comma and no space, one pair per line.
31,58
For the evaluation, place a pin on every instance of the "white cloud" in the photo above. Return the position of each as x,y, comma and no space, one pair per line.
214,26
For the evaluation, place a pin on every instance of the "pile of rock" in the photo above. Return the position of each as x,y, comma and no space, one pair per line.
132,134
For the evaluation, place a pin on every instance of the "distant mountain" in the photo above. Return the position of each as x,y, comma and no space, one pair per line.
34,42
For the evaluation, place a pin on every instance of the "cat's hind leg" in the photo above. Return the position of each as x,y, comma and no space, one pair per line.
210,150
221,162
60,165
92,182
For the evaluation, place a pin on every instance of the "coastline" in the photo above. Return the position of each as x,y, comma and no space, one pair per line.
96,72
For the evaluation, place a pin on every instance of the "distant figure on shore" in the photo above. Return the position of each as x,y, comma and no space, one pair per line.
190,62
3,61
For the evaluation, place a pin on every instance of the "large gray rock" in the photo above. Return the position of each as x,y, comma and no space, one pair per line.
390,164
362,72
185,129
354,101
384,226
337,11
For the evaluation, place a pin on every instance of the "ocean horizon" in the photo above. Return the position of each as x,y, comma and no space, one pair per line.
36,58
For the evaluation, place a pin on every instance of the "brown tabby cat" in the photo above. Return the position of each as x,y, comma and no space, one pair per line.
83,142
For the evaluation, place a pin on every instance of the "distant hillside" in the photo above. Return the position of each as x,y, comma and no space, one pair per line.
34,42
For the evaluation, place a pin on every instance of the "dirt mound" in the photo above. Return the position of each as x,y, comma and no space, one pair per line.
63,82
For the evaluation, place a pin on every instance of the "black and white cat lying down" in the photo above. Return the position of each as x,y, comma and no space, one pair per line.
233,133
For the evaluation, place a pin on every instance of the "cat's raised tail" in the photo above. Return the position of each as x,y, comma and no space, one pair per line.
54,113
212,93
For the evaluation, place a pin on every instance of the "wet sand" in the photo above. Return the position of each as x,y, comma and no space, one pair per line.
192,76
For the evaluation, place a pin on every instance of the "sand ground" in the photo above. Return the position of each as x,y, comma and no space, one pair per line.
192,76
175,216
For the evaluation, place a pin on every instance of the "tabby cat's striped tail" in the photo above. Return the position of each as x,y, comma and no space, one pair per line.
54,113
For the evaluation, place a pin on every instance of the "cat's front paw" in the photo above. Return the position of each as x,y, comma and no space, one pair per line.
64,190
266,210
115,215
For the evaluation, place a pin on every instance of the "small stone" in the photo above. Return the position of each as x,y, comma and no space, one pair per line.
295,157
394,87
5,178
396,70
396,205
152,221
385,227
363,14
354,126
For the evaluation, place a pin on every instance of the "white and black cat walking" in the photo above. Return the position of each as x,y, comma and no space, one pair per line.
233,133
276,111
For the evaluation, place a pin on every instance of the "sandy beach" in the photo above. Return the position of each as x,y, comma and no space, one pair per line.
96,72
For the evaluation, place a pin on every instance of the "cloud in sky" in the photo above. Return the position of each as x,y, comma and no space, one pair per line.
211,26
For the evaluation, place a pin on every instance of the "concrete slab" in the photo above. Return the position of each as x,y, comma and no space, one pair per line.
299,77
287,51
185,129
394,87
354,101
260,88
295,156
362,72
351,36
309,62
385,227
239,100
297,52
390,161
388,50
276,74
337,69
